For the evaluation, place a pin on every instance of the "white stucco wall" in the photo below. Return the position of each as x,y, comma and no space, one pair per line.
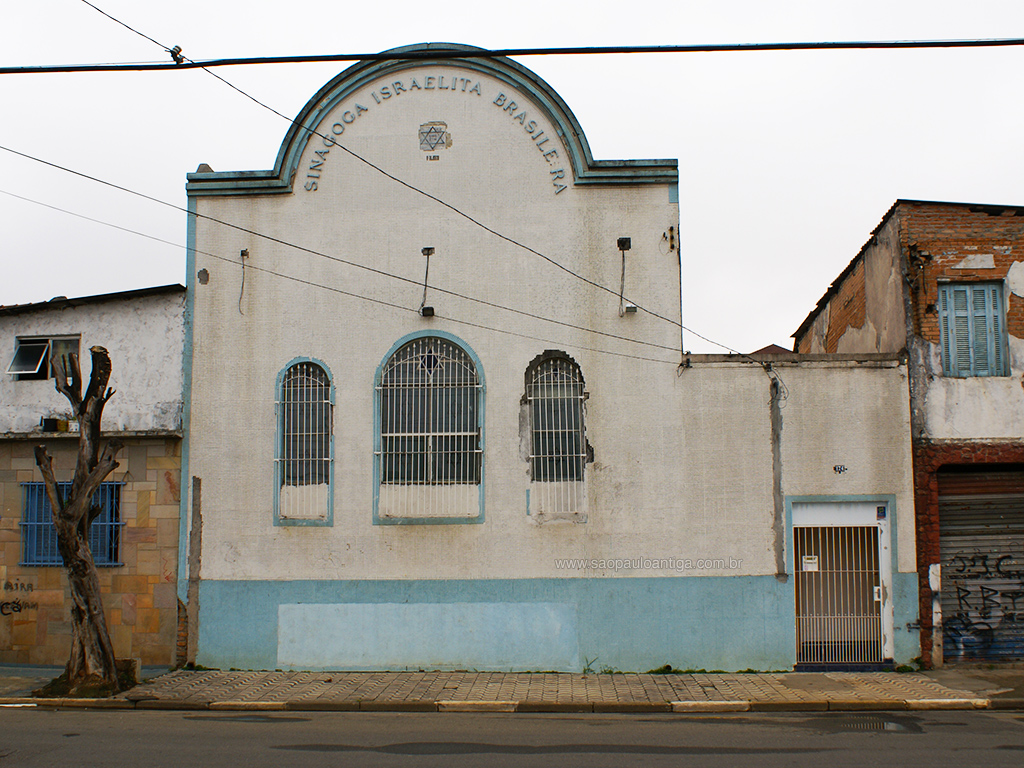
846,434
682,458
144,336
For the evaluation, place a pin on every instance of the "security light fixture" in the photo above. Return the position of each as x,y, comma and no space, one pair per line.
625,307
426,311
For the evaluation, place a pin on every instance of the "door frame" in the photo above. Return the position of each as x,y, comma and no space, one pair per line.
830,511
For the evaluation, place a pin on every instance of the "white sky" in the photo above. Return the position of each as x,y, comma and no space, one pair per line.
787,159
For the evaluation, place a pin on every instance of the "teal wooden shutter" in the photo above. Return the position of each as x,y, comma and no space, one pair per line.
972,330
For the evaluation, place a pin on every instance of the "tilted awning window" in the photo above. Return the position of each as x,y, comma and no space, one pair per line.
29,356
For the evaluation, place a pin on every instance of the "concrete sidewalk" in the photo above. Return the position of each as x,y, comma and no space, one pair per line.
557,692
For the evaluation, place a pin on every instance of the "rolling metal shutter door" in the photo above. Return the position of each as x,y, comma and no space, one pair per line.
981,539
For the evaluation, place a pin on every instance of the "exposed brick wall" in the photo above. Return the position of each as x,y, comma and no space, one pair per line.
140,597
181,649
939,237
929,458
847,307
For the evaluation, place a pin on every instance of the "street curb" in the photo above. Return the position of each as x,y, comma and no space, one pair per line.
930,704
632,707
526,706
398,706
476,706
820,705
172,704
555,706
710,706
315,705
1006,704
874,705
248,706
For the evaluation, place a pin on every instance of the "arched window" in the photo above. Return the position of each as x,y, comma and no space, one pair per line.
305,404
428,409
558,444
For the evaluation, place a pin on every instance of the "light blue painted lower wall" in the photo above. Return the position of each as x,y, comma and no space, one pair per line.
728,623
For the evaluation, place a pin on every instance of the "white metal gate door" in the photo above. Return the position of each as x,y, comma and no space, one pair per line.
838,595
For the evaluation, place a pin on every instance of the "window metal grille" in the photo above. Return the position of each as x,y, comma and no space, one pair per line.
429,404
972,329
838,595
558,445
39,537
306,423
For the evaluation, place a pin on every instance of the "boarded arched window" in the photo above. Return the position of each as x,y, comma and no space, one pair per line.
304,449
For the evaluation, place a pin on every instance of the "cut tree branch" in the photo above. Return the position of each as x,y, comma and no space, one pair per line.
73,390
45,464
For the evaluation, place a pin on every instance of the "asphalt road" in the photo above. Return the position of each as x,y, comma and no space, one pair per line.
80,738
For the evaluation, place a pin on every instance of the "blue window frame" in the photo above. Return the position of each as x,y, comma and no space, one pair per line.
39,537
972,329
304,460
428,432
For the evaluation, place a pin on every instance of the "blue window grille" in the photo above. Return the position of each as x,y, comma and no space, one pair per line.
39,537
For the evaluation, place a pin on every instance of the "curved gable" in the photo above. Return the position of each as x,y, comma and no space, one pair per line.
375,83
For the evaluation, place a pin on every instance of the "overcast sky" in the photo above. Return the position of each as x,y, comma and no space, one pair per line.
787,160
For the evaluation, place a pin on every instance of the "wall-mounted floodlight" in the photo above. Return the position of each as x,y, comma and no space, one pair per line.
625,307
426,311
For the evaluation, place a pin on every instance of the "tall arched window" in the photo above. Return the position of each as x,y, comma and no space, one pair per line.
428,401
429,440
558,443
305,404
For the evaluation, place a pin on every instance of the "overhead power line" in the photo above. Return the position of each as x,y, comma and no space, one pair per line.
447,53
303,249
175,53
363,297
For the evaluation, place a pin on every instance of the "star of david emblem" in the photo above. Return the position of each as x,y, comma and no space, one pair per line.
434,136
429,361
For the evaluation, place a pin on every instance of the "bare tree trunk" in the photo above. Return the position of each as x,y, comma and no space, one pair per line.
91,663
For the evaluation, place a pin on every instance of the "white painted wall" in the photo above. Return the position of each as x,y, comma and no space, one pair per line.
144,336
683,460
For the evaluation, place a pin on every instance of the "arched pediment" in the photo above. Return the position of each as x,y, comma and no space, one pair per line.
309,124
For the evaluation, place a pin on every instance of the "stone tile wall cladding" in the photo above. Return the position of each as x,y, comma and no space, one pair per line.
141,601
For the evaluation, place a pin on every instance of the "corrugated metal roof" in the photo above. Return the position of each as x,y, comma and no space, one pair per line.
63,302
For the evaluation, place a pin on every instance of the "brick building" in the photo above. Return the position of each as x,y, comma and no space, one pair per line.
135,539
944,283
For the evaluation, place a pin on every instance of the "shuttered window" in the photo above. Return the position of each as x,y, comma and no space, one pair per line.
973,334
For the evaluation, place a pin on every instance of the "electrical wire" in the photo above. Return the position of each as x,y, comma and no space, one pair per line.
176,53
340,291
839,45
338,259
130,29
407,185
320,254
